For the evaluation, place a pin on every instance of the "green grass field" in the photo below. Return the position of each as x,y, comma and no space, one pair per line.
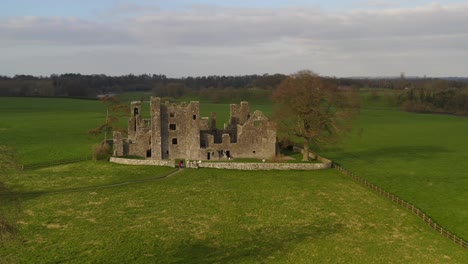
228,216
43,129
209,216
421,158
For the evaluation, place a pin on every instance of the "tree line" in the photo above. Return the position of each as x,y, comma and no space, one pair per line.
79,85
444,95
436,96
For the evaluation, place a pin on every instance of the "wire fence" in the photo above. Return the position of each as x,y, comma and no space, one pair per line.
447,234
39,165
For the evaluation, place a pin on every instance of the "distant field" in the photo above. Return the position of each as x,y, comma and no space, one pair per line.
254,96
212,216
43,129
421,158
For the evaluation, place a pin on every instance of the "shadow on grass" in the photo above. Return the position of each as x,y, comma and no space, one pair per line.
256,246
408,153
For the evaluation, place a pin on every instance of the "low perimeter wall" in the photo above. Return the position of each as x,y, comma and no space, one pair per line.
228,165
166,163
259,166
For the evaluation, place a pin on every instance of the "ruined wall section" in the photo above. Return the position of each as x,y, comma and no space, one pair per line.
156,135
135,120
193,131
183,131
139,134
118,144
239,113
141,145
256,138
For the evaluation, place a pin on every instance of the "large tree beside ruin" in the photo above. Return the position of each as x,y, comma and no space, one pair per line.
313,110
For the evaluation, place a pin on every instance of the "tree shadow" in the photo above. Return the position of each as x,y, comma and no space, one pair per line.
255,245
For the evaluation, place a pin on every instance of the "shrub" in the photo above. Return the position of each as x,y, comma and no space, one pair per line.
102,151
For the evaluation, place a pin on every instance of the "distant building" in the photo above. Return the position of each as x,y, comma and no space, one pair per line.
178,132
105,95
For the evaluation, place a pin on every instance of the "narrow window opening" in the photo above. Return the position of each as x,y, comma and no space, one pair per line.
171,114
174,141
253,152
172,126
148,153
135,111
194,117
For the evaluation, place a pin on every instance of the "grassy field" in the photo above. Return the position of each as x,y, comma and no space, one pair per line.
43,129
232,216
204,216
421,158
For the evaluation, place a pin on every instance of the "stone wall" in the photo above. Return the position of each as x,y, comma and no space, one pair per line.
166,163
259,166
239,113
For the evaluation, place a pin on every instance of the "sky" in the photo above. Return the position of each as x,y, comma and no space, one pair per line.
181,38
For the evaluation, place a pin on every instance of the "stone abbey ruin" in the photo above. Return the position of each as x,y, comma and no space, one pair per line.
178,132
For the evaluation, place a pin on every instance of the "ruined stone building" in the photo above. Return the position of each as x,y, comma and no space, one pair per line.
178,132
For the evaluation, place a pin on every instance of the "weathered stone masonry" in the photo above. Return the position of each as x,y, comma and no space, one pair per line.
178,132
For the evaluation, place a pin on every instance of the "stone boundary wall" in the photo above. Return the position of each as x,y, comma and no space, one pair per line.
327,164
313,155
166,163
259,166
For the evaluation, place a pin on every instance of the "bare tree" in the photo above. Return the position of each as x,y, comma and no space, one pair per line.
114,110
308,108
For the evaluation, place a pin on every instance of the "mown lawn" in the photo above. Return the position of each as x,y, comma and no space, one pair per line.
421,158
213,216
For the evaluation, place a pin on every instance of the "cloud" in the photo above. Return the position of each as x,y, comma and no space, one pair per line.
61,30
234,40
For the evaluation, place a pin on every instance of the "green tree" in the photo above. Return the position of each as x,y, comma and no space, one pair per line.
311,109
